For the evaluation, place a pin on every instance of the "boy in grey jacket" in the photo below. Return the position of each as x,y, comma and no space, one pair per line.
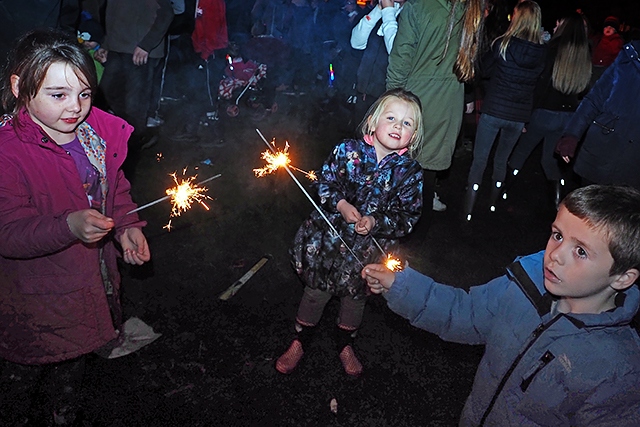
559,348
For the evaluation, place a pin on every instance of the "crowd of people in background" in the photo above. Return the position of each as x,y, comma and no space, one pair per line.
342,52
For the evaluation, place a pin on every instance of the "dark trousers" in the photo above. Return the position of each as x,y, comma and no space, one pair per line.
40,394
128,87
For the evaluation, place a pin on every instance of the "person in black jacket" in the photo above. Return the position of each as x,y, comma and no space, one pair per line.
513,66
564,81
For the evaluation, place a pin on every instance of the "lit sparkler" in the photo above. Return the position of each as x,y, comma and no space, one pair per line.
285,165
277,159
183,195
392,263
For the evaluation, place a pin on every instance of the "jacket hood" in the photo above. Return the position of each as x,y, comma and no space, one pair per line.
627,302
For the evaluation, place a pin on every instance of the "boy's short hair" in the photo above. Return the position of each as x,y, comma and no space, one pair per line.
616,210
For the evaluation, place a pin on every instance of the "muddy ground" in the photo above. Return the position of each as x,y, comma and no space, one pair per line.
214,363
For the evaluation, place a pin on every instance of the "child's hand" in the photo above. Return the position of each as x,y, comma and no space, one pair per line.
379,278
365,225
135,249
89,225
348,211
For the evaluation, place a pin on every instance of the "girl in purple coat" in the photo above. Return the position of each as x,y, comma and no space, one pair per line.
370,190
63,208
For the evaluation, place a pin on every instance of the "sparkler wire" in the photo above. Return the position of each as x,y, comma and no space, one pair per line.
161,199
315,205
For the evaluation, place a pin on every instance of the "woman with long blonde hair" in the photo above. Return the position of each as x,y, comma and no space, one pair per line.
512,67
564,81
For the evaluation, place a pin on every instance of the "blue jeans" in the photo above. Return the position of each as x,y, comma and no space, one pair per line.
488,129
546,126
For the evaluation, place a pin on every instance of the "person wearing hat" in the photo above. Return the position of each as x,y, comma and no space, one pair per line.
91,35
606,47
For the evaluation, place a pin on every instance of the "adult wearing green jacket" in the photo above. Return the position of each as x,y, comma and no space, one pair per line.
431,59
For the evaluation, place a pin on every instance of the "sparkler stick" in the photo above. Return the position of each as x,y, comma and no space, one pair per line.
161,199
315,205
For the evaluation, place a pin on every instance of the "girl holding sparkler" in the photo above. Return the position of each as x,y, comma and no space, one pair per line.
371,192
63,205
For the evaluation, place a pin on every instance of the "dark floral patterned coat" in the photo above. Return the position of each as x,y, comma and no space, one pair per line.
390,192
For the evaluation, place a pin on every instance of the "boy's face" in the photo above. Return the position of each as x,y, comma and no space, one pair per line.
61,104
609,31
577,262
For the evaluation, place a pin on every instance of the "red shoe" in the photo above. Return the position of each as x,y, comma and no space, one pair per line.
290,359
350,362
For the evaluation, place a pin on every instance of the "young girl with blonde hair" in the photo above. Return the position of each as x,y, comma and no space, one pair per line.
370,190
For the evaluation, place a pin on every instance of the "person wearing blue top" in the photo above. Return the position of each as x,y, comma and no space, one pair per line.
559,348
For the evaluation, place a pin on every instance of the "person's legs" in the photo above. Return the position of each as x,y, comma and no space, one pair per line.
18,384
349,321
41,394
113,83
488,128
528,140
510,131
554,168
309,313
139,88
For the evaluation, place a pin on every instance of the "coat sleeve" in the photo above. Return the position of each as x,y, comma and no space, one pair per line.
124,204
362,30
452,313
404,210
25,232
404,48
155,35
389,27
592,104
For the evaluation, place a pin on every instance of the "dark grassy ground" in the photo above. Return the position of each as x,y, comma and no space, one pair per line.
214,364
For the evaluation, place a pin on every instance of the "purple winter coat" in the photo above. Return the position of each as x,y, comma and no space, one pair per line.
53,305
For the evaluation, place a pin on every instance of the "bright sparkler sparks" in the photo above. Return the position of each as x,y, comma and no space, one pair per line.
393,264
185,194
277,159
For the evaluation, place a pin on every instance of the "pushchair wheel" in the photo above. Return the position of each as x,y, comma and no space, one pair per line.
233,110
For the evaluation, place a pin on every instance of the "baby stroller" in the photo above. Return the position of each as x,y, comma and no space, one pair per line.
242,81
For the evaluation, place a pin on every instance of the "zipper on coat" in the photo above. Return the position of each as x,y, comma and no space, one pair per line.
536,334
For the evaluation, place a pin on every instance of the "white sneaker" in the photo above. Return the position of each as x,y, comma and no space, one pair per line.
154,122
438,206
